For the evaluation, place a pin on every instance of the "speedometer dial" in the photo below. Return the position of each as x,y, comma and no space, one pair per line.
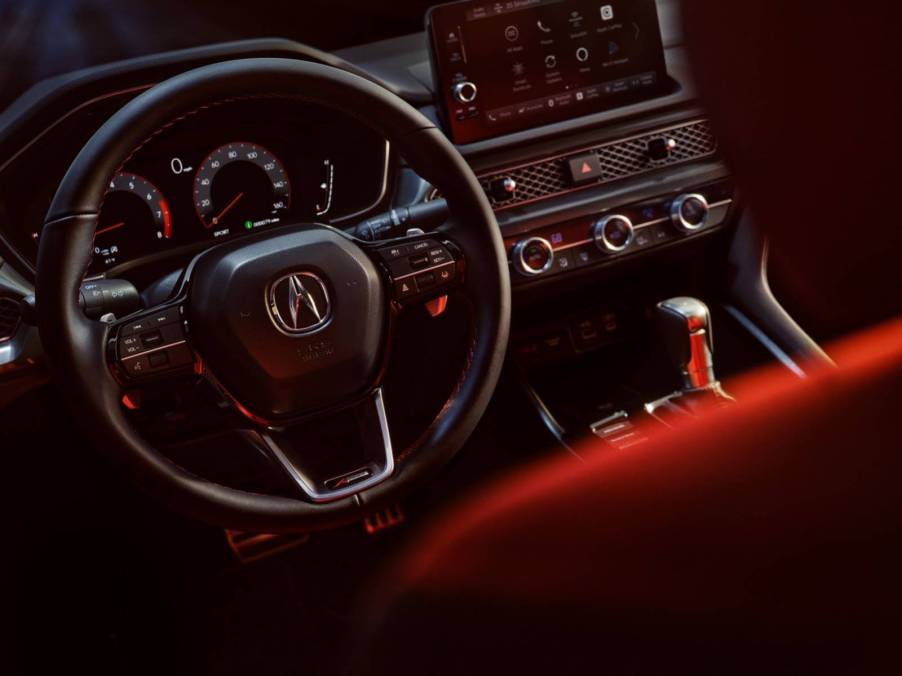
240,186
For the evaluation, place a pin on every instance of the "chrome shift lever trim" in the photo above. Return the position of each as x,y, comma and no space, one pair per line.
686,324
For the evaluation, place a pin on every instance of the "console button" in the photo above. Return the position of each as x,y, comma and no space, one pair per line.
661,232
643,239
563,261
661,148
582,256
503,188
584,168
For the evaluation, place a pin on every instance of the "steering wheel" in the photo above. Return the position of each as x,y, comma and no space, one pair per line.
291,325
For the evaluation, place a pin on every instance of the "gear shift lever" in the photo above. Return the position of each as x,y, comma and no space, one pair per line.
685,325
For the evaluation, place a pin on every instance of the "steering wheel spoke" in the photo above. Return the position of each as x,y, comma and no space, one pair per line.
362,458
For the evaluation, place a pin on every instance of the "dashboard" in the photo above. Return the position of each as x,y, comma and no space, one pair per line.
225,171
554,179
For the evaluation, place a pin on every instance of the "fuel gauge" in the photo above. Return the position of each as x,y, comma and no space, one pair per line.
324,193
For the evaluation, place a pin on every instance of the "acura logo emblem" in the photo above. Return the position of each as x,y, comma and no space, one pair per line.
299,303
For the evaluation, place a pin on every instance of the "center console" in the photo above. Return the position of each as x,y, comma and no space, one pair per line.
617,211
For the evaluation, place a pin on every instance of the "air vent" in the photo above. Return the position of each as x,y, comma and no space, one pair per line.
10,317
622,159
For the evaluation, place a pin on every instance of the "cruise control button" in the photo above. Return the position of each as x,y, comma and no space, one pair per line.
439,256
425,280
423,245
393,252
419,262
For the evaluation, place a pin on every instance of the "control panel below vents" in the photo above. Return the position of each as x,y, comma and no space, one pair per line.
625,158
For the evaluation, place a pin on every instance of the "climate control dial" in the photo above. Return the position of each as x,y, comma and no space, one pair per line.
533,256
689,212
613,234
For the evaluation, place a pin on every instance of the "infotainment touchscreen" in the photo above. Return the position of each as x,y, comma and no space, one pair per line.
502,67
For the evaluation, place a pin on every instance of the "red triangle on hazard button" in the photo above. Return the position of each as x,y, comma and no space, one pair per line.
586,169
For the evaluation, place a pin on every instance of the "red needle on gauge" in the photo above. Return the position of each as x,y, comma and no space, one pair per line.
228,208
109,228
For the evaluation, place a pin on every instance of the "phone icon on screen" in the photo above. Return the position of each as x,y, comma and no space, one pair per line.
543,27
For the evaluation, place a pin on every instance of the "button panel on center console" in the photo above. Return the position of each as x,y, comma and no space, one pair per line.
594,240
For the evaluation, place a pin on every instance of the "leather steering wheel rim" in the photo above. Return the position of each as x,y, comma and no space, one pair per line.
75,344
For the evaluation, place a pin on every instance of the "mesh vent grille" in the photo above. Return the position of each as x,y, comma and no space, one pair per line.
620,159
10,316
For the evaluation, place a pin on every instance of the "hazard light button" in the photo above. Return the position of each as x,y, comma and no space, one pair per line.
584,168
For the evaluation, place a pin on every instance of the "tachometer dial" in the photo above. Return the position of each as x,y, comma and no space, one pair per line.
135,216
240,186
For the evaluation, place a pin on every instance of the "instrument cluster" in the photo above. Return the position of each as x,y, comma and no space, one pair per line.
234,169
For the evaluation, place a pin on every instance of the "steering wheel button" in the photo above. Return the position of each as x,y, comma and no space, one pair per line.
137,367
419,262
425,280
393,252
158,359
151,339
439,256
405,288
424,245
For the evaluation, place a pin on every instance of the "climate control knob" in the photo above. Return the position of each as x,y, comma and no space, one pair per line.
689,212
464,92
613,234
533,256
